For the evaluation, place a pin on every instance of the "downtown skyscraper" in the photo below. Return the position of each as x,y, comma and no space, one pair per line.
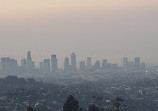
73,62
30,65
66,65
54,65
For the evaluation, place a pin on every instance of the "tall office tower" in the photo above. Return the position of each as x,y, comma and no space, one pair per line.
97,65
23,66
13,68
42,67
23,63
143,67
89,63
73,62
5,65
29,58
125,64
47,65
137,63
30,65
131,66
82,66
66,65
54,63
104,64
9,66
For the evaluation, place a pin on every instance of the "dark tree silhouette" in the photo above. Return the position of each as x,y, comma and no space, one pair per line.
117,103
119,99
93,108
71,104
29,108
100,99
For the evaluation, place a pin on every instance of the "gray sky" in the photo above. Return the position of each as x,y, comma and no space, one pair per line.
100,29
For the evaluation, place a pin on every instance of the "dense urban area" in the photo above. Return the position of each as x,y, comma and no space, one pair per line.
139,92
94,86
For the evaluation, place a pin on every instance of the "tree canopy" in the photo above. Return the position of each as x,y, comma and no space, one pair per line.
71,104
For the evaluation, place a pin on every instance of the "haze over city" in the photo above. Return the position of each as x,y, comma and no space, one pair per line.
97,28
78,55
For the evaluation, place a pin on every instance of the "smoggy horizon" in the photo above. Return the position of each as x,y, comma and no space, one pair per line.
99,29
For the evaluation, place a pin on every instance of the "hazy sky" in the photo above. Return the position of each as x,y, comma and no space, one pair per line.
101,29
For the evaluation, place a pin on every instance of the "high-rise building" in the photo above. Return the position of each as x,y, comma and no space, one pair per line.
143,67
30,65
104,64
82,65
66,65
47,65
5,65
9,66
23,66
42,67
89,63
97,65
137,63
54,64
73,62
23,63
125,64
13,69
131,66
108,66
29,58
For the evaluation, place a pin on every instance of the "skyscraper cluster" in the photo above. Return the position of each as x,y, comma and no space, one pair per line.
136,65
10,66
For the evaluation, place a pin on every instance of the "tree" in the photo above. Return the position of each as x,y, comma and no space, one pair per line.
71,104
29,108
93,108
117,103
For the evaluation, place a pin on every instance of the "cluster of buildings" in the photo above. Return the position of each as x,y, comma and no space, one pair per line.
10,66
136,65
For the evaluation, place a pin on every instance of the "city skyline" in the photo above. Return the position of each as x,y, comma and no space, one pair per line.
50,65
78,55
71,59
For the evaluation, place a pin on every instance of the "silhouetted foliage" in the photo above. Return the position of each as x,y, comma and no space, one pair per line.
117,103
71,104
29,108
93,108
